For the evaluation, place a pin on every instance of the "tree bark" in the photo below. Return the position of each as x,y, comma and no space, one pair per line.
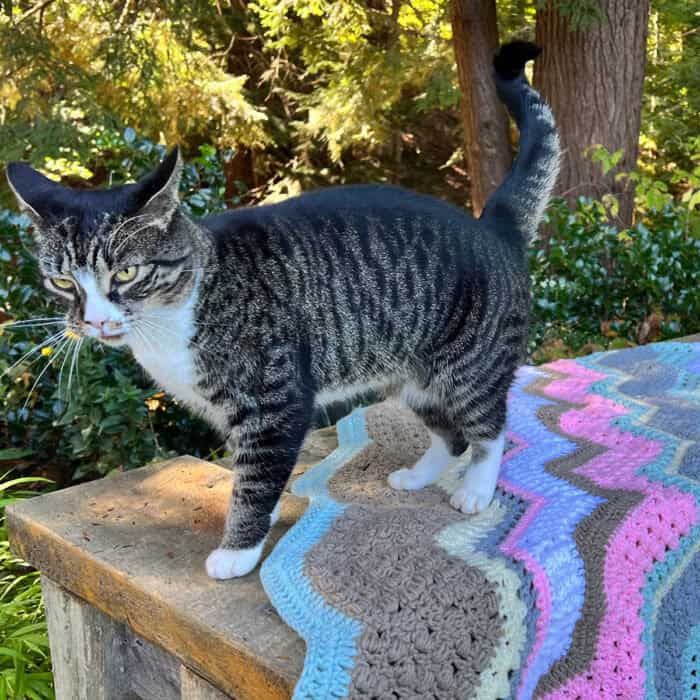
593,79
485,123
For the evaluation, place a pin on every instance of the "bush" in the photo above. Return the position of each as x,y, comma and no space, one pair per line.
25,664
595,286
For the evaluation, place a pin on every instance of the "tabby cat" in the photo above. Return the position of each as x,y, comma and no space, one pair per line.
254,316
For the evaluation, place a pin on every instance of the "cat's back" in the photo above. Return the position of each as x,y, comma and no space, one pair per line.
384,204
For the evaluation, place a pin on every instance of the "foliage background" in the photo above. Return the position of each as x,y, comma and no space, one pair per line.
269,98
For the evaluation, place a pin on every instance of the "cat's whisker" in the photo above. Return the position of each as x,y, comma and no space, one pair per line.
29,325
147,342
73,361
50,361
196,323
55,337
130,235
159,327
56,319
63,364
77,360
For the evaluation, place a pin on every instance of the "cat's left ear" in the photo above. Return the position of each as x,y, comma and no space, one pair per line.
156,194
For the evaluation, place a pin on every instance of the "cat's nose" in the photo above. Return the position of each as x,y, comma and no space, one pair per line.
95,322
104,326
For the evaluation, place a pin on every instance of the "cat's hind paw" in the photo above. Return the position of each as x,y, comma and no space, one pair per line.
471,501
426,470
408,480
232,563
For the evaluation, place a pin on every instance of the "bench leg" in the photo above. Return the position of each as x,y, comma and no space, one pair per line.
98,658
86,648
196,688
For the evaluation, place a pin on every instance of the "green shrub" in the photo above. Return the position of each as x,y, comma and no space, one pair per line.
25,664
595,286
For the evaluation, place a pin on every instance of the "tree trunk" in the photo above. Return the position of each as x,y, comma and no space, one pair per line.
486,143
243,57
593,79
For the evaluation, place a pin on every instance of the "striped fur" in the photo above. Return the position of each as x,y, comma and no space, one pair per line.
279,307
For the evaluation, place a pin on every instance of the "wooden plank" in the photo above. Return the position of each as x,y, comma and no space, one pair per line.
97,657
85,648
134,546
196,688
153,673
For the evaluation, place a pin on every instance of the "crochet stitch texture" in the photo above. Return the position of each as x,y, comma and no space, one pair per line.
581,580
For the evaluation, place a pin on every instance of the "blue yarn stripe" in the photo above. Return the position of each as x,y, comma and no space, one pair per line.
691,665
329,634
564,504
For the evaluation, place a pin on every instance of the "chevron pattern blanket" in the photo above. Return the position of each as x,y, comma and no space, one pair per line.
581,580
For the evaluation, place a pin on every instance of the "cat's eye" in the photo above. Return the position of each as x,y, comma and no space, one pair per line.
127,274
62,282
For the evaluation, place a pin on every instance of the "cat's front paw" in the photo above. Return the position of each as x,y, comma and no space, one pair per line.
471,500
232,563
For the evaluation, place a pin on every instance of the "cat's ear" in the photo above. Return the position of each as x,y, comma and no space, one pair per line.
156,194
35,193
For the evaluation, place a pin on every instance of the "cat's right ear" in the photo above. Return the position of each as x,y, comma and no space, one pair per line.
156,194
34,191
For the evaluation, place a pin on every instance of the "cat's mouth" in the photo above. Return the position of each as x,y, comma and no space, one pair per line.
112,339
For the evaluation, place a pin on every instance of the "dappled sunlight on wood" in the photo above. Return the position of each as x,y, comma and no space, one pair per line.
184,493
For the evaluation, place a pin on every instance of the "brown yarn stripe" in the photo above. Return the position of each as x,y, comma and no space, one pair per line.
433,622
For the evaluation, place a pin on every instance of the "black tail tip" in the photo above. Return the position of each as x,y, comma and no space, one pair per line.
512,57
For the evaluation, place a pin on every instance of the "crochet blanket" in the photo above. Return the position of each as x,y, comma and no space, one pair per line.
581,580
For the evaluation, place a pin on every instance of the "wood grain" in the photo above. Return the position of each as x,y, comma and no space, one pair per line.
85,648
196,688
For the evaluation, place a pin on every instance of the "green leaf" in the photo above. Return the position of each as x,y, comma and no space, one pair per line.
14,453
694,200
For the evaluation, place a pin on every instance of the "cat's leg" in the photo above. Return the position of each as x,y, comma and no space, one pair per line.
479,485
485,429
267,448
445,443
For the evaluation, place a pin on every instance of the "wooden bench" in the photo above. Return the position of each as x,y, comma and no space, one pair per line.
130,609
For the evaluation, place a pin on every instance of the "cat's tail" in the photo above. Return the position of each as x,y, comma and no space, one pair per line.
522,197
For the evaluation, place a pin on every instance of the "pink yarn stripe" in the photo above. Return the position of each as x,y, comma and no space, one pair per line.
652,527
575,386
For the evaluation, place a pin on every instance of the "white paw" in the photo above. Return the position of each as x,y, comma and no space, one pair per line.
406,480
471,501
231,563
427,469
275,515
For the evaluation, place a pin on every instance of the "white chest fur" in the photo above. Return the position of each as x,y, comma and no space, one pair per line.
164,351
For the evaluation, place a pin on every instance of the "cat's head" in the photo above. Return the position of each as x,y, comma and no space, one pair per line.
116,257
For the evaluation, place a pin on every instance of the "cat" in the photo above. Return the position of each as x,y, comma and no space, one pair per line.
255,316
